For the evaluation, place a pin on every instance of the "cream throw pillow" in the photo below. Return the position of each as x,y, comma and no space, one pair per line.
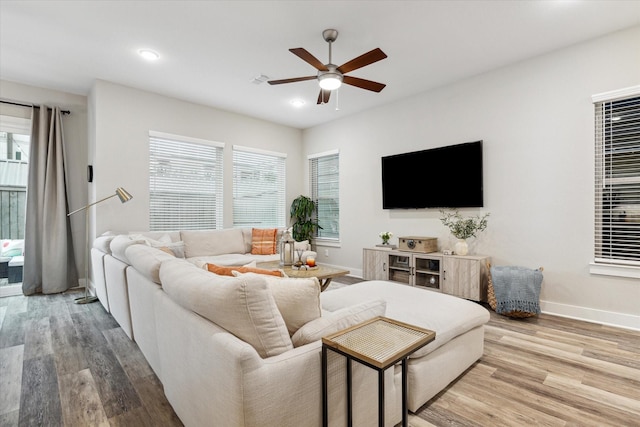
338,320
297,299
244,306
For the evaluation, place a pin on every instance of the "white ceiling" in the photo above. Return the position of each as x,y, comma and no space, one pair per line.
211,50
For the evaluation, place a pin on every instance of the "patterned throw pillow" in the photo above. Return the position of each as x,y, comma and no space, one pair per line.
263,241
228,271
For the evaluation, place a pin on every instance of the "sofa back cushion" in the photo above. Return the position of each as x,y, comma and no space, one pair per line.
212,242
298,299
119,245
243,306
147,260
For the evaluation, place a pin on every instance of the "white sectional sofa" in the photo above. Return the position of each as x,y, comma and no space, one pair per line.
245,351
229,247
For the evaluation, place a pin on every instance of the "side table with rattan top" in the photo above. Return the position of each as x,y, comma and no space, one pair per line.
378,343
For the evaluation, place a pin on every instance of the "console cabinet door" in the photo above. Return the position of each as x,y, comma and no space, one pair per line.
465,277
375,264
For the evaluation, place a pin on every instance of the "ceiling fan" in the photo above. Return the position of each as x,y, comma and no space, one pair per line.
330,76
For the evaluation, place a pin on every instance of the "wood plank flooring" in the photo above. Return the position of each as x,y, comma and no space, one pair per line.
63,364
547,371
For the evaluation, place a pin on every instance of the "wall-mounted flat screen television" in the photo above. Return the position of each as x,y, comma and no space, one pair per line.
443,177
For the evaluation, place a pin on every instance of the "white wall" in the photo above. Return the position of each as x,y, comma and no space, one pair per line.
75,138
120,120
536,120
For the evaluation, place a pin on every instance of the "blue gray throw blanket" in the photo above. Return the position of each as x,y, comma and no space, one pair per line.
516,288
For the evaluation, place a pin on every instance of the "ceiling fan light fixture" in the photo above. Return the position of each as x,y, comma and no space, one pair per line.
330,80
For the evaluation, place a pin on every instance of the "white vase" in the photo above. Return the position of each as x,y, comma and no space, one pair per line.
461,247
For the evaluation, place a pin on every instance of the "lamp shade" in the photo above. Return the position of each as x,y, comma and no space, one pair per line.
123,195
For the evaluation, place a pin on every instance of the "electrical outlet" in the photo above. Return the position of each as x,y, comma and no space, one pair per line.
326,252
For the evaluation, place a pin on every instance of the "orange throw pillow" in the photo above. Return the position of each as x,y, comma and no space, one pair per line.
227,271
263,241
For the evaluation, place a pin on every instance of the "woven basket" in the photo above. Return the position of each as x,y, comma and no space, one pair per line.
493,303
491,294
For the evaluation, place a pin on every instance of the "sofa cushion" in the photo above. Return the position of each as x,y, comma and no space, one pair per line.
447,315
119,245
198,243
297,299
337,321
147,260
164,242
103,243
263,241
243,305
228,271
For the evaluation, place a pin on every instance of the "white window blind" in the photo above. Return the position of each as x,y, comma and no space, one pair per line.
617,181
259,189
185,183
324,177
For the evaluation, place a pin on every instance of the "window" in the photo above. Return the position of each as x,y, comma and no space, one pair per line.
258,188
185,183
617,181
15,137
324,177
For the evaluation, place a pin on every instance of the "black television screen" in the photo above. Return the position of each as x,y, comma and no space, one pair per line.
444,177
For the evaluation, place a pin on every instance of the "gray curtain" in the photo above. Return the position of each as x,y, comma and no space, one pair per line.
49,263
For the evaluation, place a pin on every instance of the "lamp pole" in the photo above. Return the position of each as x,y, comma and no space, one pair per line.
124,197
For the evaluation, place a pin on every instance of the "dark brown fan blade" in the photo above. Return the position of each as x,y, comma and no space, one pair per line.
363,84
295,79
363,60
303,54
323,96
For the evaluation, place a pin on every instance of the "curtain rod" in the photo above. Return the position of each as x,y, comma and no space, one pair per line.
20,104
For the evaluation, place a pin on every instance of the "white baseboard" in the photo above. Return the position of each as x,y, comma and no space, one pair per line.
609,318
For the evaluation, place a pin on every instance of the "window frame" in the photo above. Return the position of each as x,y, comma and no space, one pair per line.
313,191
601,265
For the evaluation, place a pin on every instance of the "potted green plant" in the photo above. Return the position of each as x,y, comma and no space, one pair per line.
302,210
463,228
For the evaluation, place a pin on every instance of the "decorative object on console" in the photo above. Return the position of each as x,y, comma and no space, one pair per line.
463,228
418,244
124,197
302,210
385,236
287,248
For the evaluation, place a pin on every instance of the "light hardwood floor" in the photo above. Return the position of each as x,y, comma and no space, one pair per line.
63,364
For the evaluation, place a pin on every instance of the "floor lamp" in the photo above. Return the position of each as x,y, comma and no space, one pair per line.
124,197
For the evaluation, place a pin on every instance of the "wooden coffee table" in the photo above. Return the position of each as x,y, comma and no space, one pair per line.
323,273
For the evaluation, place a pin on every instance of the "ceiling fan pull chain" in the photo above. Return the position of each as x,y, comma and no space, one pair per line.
337,99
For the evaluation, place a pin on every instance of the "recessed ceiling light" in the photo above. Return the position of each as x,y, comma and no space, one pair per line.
148,54
297,102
